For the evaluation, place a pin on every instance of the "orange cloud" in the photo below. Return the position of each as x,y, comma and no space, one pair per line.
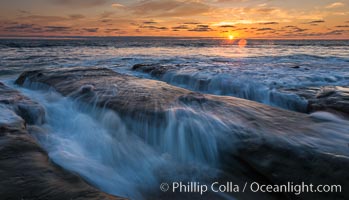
240,18
80,3
335,5
117,5
169,8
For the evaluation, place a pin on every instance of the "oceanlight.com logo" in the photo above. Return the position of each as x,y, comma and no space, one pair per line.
229,187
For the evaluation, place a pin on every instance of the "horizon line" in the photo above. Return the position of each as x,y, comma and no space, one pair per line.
142,36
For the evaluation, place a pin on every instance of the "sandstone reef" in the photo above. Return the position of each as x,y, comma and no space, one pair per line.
278,145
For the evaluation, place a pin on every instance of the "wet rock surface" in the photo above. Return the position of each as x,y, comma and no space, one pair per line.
156,70
302,99
108,89
30,111
26,171
328,98
280,146
220,84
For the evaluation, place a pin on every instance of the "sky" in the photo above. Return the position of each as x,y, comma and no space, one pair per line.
274,19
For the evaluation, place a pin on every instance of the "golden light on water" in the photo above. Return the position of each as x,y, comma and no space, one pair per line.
242,43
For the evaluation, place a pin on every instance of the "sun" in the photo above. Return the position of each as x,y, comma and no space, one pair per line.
231,37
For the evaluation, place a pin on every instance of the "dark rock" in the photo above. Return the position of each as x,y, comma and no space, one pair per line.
30,111
155,70
192,97
86,89
281,146
26,171
327,98
326,92
144,67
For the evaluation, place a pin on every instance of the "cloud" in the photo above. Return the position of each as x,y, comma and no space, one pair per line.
335,5
33,28
76,16
265,29
106,20
80,3
329,33
181,27
25,12
269,23
337,32
169,8
251,15
230,1
149,22
199,16
56,28
91,30
315,22
201,28
293,29
117,5
299,30
43,18
109,30
262,10
21,26
154,27
195,23
115,31
227,26
290,27
107,14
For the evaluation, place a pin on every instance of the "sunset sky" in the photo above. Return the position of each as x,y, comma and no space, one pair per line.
207,18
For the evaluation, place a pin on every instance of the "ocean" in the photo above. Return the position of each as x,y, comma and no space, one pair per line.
105,151
252,71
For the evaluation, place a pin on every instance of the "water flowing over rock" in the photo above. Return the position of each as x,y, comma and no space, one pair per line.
155,70
328,98
231,133
26,170
223,84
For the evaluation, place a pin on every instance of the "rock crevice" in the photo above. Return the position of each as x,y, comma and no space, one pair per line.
25,169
